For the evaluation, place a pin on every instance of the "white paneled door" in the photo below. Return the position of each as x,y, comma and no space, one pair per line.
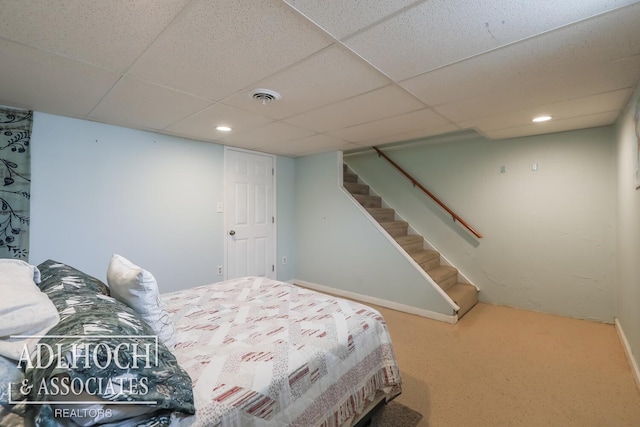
250,222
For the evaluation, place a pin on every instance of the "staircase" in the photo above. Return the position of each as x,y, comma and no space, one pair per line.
463,294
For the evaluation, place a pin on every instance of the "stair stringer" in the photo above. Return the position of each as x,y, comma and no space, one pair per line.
412,231
399,248
428,245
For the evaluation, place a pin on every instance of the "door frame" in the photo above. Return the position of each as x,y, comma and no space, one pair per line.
275,206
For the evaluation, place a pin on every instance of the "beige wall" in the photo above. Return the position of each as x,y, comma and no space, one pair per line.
339,248
549,235
628,292
98,189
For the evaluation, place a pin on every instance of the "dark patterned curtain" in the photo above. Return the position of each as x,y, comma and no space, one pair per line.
15,189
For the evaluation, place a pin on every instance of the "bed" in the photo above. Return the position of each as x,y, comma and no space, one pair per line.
244,352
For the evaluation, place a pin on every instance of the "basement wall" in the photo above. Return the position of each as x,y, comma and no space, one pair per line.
628,292
98,189
549,240
339,248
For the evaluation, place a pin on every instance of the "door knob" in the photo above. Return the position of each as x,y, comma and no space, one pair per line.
232,233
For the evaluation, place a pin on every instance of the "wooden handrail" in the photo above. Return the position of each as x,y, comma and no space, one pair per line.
415,183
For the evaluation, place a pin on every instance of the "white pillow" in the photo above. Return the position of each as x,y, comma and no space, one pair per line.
138,289
24,309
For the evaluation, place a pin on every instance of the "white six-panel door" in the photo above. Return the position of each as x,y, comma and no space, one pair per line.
250,239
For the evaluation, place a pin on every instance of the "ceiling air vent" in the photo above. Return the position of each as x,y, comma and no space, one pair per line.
265,96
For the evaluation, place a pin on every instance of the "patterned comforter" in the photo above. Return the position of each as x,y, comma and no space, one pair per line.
262,352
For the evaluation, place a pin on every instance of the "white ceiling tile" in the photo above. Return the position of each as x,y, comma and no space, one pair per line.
620,74
331,75
589,105
133,102
438,33
380,103
420,120
557,55
311,145
264,135
600,119
121,30
340,18
510,59
411,135
41,81
245,42
202,125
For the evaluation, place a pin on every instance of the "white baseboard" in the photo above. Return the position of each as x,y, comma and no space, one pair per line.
378,301
629,353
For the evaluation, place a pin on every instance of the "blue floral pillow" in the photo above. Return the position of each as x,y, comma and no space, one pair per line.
12,411
103,350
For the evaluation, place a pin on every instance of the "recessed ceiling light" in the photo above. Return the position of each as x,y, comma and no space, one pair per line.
541,119
223,128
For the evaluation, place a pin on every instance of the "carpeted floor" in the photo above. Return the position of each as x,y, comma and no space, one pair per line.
505,367
395,414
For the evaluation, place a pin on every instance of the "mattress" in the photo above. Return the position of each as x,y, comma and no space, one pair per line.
266,353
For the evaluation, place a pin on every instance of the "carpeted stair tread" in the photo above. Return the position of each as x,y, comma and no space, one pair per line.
382,214
425,255
411,242
368,201
410,238
444,276
395,228
356,188
465,295
349,177
427,258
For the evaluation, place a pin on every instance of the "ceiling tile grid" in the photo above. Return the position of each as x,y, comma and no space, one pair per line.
323,78
341,18
558,55
378,104
587,106
133,103
202,124
602,78
561,125
311,145
216,48
408,122
35,79
261,137
404,136
110,34
350,73
438,33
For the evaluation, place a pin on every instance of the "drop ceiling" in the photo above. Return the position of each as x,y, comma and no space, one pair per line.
351,74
